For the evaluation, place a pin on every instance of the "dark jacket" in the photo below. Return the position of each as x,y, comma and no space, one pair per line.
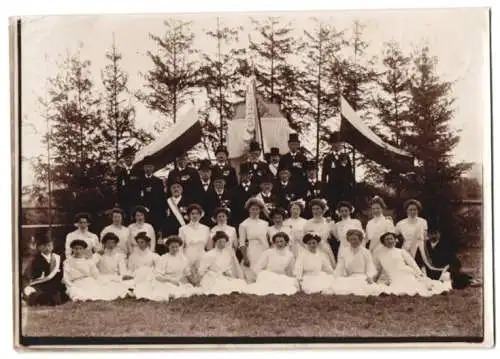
296,165
152,196
228,172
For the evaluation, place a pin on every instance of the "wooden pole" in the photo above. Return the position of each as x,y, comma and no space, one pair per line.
49,131
219,67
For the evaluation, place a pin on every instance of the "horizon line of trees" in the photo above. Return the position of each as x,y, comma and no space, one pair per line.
305,76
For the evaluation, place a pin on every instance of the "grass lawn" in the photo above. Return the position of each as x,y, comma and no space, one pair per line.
457,313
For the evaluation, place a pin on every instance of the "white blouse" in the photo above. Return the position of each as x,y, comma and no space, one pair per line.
323,228
309,263
279,261
297,228
195,237
112,262
79,268
174,266
413,230
142,258
355,261
341,227
396,262
375,228
122,233
253,230
219,262
135,229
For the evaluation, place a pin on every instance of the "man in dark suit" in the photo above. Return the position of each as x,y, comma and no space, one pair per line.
204,190
176,209
186,175
240,194
127,178
286,190
152,195
219,197
223,168
267,196
258,168
337,173
274,161
294,160
313,188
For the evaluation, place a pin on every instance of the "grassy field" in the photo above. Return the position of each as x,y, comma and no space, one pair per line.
457,313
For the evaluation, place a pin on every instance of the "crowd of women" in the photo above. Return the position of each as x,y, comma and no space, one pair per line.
284,256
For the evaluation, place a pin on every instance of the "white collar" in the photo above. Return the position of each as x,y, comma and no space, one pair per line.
285,183
47,256
219,192
434,244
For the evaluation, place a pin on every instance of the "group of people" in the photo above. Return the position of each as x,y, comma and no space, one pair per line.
274,232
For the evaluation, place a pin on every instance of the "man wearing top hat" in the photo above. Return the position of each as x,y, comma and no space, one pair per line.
152,195
267,196
223,168
204,190
176,210
240,195
127,178
337,173
258,168
219,197
274,161
313,188
184,174
286,190
294,160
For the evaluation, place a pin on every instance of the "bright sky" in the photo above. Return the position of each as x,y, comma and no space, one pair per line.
459,38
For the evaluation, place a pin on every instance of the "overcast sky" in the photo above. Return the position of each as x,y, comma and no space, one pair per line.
459,38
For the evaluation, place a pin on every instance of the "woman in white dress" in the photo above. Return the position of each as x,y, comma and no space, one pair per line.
355,272
320,225
82,221
413,229
117,227
275,269
297,224
312,268
112,265
253,237
172,275
278,216
142,261
82,279
402,275
195,236
219,269
340,229
139,214
378,225
221,216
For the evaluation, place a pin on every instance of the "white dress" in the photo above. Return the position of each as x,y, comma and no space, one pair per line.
253,236
231,233
195,237
112,267
413,231
220,273
297,229
404,275
122,233
314,271
375,228
83,281
341,227
90,238
274,273
176,269
134,230
353,268
141,265
323,228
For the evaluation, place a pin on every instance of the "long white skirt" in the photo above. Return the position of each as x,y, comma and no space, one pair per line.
355,284
106,287
272,283
408,284
164,291
316,283
213,283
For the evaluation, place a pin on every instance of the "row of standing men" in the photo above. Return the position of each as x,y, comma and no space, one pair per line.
277,182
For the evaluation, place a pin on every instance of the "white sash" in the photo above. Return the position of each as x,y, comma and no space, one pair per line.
52,274
175,210
425,258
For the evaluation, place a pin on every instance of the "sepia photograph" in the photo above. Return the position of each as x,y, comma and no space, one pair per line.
252,178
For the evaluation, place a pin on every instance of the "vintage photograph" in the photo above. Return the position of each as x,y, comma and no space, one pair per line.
252,178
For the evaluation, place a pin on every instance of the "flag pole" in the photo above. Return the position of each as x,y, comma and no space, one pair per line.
318,109
258,116
219,35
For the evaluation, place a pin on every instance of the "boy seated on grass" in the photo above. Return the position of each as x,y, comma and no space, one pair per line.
45,286
438,260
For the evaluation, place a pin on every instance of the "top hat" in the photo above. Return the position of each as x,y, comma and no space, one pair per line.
293,137
147,161
222,148
275,151
43,240
205,165
254,146
128,151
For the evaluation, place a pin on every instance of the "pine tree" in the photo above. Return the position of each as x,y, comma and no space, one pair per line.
119,129
220,75
174,74
431,140
277,78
